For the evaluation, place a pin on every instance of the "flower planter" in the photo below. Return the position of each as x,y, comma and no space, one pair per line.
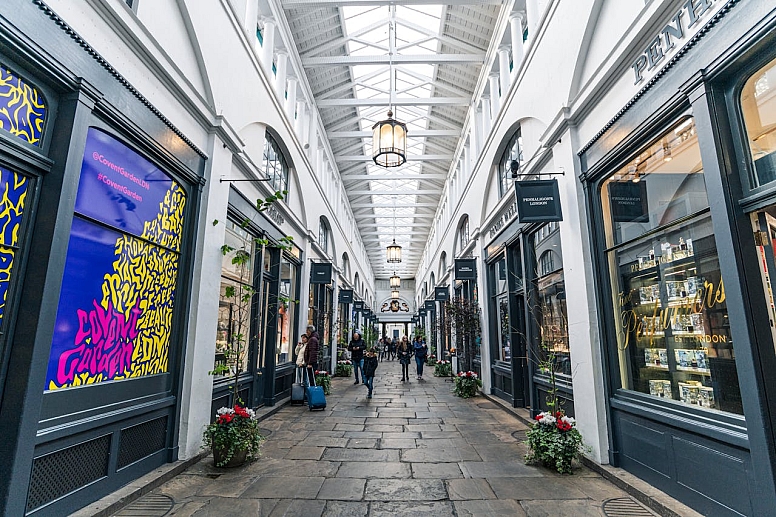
554,441
467,385
237,460
443,369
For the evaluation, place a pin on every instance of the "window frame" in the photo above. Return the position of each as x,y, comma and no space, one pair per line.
277,180
504,173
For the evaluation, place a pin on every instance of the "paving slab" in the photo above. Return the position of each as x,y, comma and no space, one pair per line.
294,507
494,469
535,488
405,490
346,509
342,489
305,453
370,455
366,470
504,507
436,471
469,489
395,443
392,509
571,508
297,487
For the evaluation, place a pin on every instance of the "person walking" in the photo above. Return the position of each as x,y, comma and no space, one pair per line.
356,348
420,350
392,348
311,352
368,373
404,352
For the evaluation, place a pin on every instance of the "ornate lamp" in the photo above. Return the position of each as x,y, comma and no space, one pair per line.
395,281
394,295
394,253
389,142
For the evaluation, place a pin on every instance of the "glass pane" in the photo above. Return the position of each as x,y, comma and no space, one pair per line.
551,301
758,103
232,266
14,193
672,325
232,333
286,311
23,110
660,185
505,349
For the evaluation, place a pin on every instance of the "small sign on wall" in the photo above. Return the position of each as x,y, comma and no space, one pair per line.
465,269
358,306
629,201
320,273
538,201
430,305
422,312
441,294
346,296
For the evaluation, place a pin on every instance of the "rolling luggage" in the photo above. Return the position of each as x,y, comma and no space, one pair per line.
297,389
315,397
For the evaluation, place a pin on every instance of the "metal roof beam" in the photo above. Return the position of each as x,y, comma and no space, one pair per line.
289,4
357,205
394,193
410,158
382,177
404,101
423,59
413,133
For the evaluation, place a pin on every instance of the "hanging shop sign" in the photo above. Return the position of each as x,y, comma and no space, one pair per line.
367,313
119,284
629,201
346,296
465,269
422,312
430,305
320,273
358,306
686,22
441,294
538,201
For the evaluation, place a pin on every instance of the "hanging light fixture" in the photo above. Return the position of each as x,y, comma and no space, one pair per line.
394,295
395,281
394,252
389,136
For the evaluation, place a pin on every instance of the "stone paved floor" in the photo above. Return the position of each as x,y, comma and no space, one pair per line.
413,448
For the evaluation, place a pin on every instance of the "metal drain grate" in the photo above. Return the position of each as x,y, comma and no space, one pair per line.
625,507
519,435
151,505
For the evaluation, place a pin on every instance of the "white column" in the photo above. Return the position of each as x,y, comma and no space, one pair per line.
479,132
516,31
312,139
486,118
495,103
503,69
319,161
281,67
532,15
467,160
251,18
268,47
291,98
300,125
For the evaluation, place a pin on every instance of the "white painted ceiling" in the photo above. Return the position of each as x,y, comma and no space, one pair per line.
426,60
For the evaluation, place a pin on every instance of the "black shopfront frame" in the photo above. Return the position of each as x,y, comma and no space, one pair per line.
714,462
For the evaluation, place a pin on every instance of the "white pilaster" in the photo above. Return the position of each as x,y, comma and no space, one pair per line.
516,32
495,96
467,160
319,163
479,132
532,16
312,138
251,17
281,70
486,118
290,104
503,69
268,46
300,124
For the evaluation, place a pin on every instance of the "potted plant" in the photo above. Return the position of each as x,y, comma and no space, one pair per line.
431,360
443,369
467,385
554,441
344,368
234,437
323,379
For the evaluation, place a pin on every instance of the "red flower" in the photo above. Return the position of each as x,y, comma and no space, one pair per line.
225,418
563,426
538,417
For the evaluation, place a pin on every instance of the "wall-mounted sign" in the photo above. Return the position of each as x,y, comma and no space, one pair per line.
687,21
320,273
422,312
430,305
465,269
346,296
441,294
538,201
358,306
367,313
628,201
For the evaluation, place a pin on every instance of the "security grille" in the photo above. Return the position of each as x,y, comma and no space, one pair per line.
625,507
151,505
142,440
62,472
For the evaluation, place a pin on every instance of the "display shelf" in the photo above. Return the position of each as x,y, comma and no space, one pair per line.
691,369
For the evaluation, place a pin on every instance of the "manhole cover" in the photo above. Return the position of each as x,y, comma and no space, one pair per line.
625,507
519,435
151,505
487,405
265,432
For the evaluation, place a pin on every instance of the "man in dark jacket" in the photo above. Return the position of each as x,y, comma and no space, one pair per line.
356,348
368,374
311,352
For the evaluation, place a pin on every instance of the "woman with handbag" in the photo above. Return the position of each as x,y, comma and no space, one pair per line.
404,353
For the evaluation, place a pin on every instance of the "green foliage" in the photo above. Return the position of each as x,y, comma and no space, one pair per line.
443,369
467,385
431,360
370,336
323,379
344,368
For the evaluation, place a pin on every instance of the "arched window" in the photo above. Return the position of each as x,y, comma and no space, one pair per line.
513,152
355,283
443,263
432,281
463,233
323,235
546,263
275,165
345,266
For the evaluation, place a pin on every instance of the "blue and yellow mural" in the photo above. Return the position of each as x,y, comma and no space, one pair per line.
118,292
14,192
22,108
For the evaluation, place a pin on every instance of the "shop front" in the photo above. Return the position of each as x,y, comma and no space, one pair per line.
321,310
257,318
682,212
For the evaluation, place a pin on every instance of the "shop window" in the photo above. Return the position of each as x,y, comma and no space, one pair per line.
23,109
512,153
758,103
234,307
500,302
286,311
550,310
668,296
121,269
323,235
275,165
14,194
463,234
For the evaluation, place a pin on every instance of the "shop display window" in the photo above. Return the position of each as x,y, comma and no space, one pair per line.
286,311
668,295
758,103
550,310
